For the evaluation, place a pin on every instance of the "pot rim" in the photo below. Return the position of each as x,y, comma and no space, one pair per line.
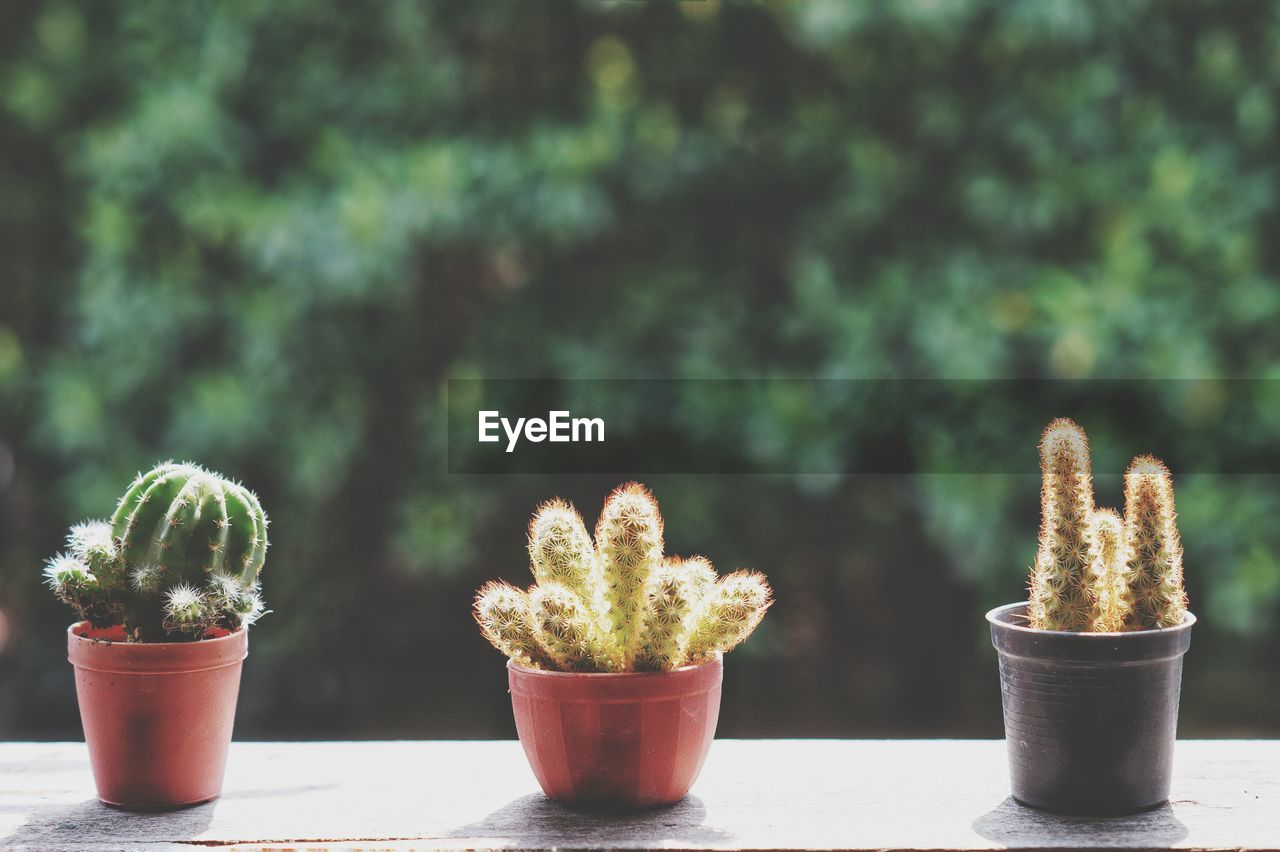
111,655
994,617
71,631
512,664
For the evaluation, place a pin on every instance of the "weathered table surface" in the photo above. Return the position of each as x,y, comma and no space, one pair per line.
914,794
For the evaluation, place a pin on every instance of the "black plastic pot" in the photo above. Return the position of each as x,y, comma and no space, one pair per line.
1089,718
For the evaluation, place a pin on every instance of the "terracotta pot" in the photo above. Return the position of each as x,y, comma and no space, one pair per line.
157,716
1090,718
616,741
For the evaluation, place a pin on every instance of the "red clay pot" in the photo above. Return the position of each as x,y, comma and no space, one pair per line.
157,716
616,741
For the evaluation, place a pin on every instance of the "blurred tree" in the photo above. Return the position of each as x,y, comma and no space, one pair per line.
264,235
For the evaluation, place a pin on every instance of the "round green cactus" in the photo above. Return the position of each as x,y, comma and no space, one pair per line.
191,523
180,557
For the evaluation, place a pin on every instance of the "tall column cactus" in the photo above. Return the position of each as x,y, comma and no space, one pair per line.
1154,549
629,541
180,556
1059,591
1108,575
617,605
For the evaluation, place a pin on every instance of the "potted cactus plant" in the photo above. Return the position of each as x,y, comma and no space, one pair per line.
165,592
1091,665
615,653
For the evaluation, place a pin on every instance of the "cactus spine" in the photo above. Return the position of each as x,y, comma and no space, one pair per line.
1154,549
180,556
616,604
1108,574
1059,593
1094,572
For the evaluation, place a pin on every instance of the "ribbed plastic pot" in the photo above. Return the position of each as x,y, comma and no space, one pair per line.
157,716
620,742
1090,719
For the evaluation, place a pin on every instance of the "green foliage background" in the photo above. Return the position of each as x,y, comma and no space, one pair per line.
263,235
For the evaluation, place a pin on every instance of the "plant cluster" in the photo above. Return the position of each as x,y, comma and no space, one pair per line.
1094,571
178,560
616,604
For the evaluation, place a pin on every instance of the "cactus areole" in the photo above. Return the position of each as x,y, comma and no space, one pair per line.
178,561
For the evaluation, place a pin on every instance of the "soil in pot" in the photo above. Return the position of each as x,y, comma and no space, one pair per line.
616,742
1090,718
157,716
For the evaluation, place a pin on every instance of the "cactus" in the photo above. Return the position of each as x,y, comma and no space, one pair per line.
670,601
1059,593
616,604
1108,574
729,614
180,557
561,551
702,574
567,630
1094,572
1154,549
629,541
506,620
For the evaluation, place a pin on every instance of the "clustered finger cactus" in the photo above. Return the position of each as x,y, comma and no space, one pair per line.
1093,571
179,558
615,603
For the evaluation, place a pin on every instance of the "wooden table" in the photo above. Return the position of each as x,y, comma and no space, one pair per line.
912,794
